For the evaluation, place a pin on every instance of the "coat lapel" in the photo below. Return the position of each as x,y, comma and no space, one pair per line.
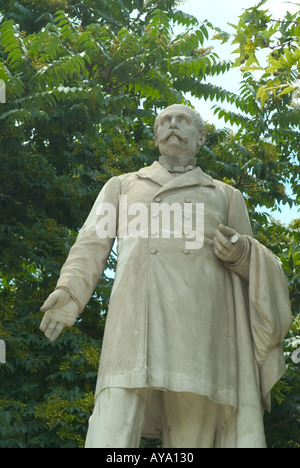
157,173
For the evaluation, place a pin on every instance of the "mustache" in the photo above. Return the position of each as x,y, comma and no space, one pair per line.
170,133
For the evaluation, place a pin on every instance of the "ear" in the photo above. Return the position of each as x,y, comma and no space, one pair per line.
201,140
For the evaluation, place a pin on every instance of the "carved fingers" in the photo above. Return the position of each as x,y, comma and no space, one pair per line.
52,329
60,311
228,244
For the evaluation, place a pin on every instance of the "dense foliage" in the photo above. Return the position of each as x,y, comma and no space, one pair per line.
84,80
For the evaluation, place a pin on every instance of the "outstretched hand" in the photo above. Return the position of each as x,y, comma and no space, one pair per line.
229,246
60,311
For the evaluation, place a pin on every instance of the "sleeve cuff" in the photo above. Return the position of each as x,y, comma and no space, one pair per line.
242,266
71,294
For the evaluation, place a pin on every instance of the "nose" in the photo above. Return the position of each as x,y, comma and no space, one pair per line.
173,123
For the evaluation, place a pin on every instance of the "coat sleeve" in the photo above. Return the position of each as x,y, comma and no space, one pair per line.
238,219
87,258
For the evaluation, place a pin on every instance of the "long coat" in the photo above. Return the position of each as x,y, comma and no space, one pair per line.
179,318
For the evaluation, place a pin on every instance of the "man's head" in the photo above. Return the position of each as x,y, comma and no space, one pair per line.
179,133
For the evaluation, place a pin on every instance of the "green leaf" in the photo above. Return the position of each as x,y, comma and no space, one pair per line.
287,90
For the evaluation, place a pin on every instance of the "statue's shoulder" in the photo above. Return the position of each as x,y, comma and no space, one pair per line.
144,171
129,176
224,186
126,180
231,193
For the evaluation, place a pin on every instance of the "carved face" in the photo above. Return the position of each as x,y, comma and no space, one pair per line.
177,133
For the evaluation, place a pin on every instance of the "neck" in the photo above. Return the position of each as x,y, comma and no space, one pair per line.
177,162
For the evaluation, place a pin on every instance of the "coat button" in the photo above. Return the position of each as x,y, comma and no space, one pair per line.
186,251
157,199
188,200
153,250
154,234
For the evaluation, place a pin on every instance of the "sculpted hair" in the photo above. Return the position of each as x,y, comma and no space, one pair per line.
198,121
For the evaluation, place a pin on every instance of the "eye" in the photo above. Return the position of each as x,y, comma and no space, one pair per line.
183,120
165,120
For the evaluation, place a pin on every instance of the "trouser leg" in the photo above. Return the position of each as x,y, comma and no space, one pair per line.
118,418
189,420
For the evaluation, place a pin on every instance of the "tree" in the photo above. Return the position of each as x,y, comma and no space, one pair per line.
282,425
84,81
267,111
82,91
268,118
257,31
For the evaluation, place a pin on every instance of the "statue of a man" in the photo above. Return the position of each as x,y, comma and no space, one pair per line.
192,344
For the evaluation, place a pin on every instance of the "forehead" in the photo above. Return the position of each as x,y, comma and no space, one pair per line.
177,111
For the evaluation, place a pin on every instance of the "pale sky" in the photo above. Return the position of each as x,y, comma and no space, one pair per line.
220,13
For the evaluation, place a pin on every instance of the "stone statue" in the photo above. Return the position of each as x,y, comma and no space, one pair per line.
192,344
